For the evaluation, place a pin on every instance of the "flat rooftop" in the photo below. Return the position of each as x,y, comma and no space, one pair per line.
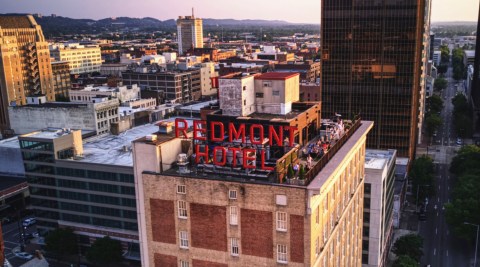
47,134
197,106
10,142
377,159
276,76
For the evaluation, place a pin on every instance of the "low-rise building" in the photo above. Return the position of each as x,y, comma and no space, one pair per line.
95,117
81,58
276,91
122,93
310,92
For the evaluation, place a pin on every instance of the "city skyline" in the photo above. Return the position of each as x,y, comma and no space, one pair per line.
463,10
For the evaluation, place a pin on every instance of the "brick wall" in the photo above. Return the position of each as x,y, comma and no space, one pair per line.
162,260
163,221
208,226
199,263
296,238
257,239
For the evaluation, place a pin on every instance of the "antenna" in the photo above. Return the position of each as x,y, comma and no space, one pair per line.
193,14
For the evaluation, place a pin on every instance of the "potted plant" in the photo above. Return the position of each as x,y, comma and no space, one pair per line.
290,174
301,175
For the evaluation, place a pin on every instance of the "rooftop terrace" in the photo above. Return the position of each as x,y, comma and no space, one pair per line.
322,149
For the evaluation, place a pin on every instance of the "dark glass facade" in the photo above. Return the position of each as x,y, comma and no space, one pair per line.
371,66
78,195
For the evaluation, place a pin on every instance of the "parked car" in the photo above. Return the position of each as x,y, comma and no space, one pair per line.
28,222
31,235
459,141
24,255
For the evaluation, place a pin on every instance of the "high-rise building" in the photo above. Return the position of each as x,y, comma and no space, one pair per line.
189,33
476,79
61,79
371,66
25,68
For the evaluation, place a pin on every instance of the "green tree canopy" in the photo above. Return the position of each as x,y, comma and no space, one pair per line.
405,261
61,242
465,204
105,252
462,114
433,121
435,103
409,245
442,68
445,56
440,84
421,174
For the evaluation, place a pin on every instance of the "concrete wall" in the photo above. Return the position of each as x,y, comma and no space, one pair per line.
234,100
11,157
288,92
29,119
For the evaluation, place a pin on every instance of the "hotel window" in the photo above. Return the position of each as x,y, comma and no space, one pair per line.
183,236
317,246
317,215
184,263
234,246
282,254
232,194
281,221
233,215
259,95
182,209
181,189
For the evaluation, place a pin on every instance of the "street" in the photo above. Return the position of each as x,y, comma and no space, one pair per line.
11,238
441,247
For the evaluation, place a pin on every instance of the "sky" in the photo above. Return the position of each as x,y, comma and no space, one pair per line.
302,11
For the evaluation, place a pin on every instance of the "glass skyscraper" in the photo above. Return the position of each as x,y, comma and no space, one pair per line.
371,66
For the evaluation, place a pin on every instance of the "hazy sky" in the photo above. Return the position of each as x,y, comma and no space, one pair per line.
306,11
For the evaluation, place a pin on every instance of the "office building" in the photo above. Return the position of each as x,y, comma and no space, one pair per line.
87,185
95,117
372,67
25,68
173,86
476,80
309,70
61,79
189,33
82,59
378,206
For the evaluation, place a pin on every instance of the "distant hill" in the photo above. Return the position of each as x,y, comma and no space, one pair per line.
454,23
58,25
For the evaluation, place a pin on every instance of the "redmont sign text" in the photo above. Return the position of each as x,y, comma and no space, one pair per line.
235,133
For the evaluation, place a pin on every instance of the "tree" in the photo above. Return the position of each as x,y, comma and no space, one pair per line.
442,68
421,174
105,252
405,261
61,242
409,245
462,114
440,84
290,172
465,204
445,54
433,121
301,173
435,104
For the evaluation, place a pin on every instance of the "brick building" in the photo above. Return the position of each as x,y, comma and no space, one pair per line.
61,79
213,219
309,70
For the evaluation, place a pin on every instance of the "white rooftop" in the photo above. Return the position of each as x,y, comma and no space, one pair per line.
47,134
10,142
377,159
198,106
